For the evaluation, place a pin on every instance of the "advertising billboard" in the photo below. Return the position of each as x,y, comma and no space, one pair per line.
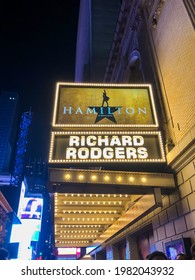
104,105
32,208
30,212
106,147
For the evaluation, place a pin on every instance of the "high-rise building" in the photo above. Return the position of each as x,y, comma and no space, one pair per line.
96,25
8,129
15,137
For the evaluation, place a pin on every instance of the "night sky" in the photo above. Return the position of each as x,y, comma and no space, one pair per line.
37,49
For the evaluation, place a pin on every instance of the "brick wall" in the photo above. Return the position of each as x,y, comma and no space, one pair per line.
177,217
174,41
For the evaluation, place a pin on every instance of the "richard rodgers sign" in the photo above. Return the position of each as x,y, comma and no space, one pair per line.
106,146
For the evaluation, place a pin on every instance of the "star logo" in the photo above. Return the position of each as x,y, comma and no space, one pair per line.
105,112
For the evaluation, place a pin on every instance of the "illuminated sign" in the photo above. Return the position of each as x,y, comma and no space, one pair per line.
32,208
106,146
104,105
69,251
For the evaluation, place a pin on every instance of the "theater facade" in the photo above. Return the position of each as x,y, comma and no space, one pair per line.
122,150
97,149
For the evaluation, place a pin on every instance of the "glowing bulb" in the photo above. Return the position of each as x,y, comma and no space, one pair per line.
67,176
106,178
94,178
81,177
119,178
131,179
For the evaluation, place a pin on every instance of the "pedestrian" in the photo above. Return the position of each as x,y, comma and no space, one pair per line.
192,251
157,255
181,256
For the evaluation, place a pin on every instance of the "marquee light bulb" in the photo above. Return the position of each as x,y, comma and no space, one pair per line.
94,178
119,179
131,179
106,178
67,176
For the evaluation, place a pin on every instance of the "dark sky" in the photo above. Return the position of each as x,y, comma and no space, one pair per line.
37,49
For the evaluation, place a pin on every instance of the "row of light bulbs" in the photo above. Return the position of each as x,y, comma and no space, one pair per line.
92,202
106,160
79,231
78,226
107,125
87,219
78,236
105,132
106,178
72,242
88,212
91,195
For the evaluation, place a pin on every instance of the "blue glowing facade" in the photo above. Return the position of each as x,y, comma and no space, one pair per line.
22,145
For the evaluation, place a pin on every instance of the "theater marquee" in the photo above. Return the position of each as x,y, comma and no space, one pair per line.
106,147
104,105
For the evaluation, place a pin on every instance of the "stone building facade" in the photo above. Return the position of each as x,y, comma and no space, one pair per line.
153,42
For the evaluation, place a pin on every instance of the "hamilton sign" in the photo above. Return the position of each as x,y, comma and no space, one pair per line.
104,105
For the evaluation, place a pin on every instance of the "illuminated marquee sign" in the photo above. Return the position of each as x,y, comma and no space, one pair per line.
106,146
104,105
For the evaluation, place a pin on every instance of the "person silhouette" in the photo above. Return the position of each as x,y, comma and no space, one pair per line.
192,251
156,255
105,98
181,256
